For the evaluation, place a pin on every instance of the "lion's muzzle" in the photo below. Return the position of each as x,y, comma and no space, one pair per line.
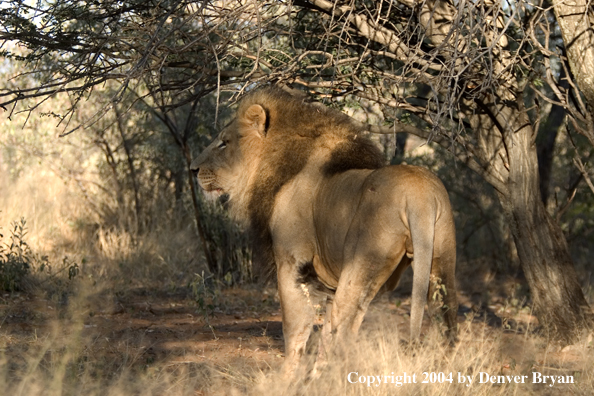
207,180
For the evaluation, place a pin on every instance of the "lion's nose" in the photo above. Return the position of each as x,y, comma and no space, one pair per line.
195,167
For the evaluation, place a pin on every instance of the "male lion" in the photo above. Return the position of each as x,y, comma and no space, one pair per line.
334,219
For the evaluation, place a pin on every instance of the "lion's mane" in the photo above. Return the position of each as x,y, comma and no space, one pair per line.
293,131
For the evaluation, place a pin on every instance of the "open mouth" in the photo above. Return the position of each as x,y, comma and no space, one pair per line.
213,193
214,189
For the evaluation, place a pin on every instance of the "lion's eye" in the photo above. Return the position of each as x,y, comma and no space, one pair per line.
222,145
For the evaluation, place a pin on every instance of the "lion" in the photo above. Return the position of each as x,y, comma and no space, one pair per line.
330,215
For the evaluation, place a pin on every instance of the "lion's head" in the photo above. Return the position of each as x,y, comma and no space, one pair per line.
222,165
269,142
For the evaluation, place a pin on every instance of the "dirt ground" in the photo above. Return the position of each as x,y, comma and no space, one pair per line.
152,327
142,329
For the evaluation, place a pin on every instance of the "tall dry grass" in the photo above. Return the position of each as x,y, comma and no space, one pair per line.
46,352
480,350
61,364
60,223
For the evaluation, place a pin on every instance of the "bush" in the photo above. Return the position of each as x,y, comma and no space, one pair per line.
15,258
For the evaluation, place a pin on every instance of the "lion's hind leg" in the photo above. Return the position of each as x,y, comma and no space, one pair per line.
443,274
392,282
361,279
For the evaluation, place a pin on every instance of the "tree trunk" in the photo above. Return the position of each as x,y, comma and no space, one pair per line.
542,249
209,254
181,139
558,299
578,36
545,146
133,177
506,145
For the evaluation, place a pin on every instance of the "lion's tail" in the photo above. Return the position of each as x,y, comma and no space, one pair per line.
422,230
434,245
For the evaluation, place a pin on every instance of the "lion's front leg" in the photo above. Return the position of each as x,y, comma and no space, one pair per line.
325,340
298,315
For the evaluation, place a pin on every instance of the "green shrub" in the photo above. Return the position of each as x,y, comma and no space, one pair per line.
15,258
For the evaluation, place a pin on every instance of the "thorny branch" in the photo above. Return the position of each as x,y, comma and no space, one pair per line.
450,65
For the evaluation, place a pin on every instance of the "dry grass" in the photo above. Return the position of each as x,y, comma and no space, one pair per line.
66,355
481,350
127,324
60,224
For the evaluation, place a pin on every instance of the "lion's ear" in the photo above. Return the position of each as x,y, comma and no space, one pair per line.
255,118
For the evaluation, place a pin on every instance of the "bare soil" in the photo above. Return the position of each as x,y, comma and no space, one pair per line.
141,330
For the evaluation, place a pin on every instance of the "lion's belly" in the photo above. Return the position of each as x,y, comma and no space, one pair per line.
334,208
